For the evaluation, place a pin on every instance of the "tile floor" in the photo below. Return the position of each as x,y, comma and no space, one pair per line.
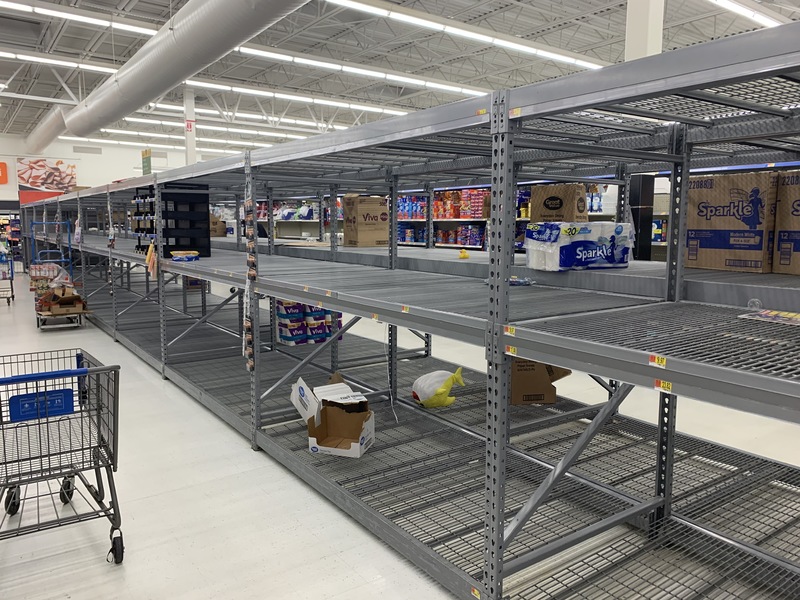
206,517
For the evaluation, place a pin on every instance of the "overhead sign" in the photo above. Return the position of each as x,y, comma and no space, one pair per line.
3,173
147,161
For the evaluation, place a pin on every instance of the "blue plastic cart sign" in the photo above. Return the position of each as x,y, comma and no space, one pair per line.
41,405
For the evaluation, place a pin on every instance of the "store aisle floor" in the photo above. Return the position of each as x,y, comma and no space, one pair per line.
203,515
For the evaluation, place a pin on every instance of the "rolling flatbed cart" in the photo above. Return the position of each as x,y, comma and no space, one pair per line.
58,419
7,277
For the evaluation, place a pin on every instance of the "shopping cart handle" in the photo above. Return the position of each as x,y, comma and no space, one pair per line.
44,376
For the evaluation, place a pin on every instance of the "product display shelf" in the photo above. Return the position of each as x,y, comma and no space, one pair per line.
460,537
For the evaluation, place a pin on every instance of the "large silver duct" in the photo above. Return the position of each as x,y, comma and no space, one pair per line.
199,34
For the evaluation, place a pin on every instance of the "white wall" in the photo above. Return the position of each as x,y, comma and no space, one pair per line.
115,162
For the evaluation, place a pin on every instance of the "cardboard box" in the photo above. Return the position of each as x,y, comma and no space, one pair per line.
338,419
786,258
731,222
366,221
532,382
217,228
61,301
559,202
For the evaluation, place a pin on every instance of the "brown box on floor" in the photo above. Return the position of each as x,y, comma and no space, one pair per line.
366,221
562,202
532,382
787,225
731,222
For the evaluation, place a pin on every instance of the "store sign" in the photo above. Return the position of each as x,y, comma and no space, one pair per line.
40,178
147,161
3,173
190,125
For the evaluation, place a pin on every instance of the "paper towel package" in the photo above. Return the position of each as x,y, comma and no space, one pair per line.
578,246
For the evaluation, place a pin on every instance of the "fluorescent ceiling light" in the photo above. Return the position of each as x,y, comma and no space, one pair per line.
264,54
216,151
340,127
366,72
295,98
140,120
306,123
515,46
133,28
167,106
381,12
212,127
366,108
96,68
470,35
472,92
748,13
172,123
295,137
403,79
317,63
71,17
331,103
440,86
69,138
16,6
416,21
398,113
272,134
253,92
7,55
210,86
587,65
242,115
2,86
48,61
244,131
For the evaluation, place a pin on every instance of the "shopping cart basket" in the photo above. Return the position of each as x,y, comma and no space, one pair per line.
7,277
58,420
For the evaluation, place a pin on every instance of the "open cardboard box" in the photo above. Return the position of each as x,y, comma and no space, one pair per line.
62,301
338,419
532,382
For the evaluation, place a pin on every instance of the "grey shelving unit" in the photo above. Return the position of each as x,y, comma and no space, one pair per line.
483,496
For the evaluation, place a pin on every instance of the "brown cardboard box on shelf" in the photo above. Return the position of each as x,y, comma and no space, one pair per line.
366,221
560,202
787,225
731,222
61,301
532,382
218,228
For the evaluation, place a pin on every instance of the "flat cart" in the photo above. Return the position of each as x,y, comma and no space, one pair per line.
7,277
59,415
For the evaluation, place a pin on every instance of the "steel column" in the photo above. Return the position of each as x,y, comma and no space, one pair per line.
334,217
392,359
160,281
184,299
252,324
270,223
393,191
238,222
273,322
677,242
665,461
204,298
80,241
502,226
429,234
623,213
321,204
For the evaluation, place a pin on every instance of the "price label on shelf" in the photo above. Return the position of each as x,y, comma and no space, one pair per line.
509,330
514,113
375,317
405,309
319,304
658,361
512,350
305,288
476,593
328,293
664,386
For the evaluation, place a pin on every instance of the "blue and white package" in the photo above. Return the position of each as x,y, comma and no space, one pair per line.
577,246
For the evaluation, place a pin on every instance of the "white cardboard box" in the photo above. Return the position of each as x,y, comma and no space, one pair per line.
338,419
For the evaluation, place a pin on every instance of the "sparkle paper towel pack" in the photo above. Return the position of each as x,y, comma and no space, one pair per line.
578,246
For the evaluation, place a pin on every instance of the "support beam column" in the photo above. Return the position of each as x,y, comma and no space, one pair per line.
190,132
644,29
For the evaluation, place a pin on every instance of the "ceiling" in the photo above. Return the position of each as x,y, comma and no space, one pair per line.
593,29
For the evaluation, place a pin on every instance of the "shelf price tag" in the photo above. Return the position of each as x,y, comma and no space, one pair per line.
328,293
512,350
658,361
319,304
476,593
375,317
509,330
305,288
405,309
664,386
514,113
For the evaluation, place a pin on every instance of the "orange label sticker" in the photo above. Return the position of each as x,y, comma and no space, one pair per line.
3,173
481,112
374,316
512,331
405,309
512,350
664,386
514,112
476,593
658,361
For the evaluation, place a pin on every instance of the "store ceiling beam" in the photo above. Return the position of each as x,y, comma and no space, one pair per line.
757,54
42,99
659,116
730,102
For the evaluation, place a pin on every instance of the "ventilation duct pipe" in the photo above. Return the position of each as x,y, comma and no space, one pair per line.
198,35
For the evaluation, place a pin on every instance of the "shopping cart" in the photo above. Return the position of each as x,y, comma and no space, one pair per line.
7,277
58,420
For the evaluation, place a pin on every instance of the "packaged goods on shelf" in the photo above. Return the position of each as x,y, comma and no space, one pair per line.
532,382
787,225
562,202
338,419
731,222
366,221
287,308
578,246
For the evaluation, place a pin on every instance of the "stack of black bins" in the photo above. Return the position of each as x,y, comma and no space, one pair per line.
186,218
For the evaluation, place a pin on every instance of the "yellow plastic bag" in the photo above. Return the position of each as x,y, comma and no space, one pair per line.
432,390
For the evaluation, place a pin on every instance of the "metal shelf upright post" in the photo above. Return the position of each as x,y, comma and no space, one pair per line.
160,278
252,327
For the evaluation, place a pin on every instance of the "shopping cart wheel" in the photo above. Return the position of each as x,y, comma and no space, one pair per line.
67,490
117,551
12,501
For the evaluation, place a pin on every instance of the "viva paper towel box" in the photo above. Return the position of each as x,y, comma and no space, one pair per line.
731,222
